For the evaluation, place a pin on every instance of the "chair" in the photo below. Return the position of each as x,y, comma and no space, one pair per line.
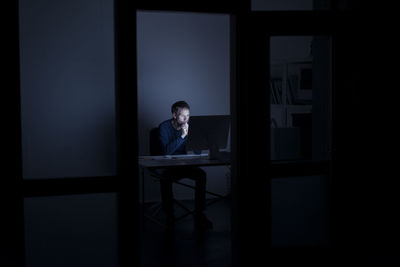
154,144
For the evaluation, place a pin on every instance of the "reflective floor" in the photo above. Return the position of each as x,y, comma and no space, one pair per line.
184,246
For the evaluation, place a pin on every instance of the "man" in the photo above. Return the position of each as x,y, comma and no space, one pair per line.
173,134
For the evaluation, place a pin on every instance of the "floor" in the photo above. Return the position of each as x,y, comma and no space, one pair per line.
184,246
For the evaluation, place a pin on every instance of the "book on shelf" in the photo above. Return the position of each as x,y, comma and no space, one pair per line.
276,91
290,92
272,92
278,88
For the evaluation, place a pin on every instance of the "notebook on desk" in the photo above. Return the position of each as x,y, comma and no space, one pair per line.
175,157
186,156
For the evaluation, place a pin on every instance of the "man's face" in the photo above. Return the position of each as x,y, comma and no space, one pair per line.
181,116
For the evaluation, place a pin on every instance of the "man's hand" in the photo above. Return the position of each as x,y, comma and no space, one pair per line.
185,130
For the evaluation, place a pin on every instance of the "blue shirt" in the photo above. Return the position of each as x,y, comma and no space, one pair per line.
170,139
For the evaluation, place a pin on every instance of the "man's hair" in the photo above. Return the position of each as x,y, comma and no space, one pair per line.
179,104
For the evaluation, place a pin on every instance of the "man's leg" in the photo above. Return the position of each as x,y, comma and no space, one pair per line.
193,173
199,176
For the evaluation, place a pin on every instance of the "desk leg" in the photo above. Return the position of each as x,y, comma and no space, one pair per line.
143,190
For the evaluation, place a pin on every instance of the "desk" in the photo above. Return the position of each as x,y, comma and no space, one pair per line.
156,162
176,161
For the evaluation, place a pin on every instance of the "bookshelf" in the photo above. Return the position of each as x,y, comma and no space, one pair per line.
290,90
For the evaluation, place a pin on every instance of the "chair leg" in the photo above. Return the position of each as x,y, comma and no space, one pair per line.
151,218
157,207
188,211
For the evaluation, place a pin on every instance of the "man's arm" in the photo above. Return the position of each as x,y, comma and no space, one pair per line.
169,144
185,130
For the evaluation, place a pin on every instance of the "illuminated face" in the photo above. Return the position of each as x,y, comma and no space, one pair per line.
181,116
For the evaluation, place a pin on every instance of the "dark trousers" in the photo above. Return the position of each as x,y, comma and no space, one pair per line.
175,174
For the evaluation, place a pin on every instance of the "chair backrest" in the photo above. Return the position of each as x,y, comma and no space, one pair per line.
154,145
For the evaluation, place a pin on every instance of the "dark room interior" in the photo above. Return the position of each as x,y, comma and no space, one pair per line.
308,176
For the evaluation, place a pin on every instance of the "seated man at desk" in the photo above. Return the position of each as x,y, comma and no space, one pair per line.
173,135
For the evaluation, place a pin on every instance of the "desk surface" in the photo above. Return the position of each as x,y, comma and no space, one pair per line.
172,161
